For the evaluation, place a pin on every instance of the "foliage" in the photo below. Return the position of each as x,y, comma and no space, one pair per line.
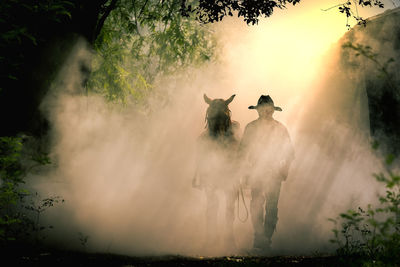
11,176
141,40
367,52
350,9
383,91
213,11
37,206
83,239
372,234
22,23
15,220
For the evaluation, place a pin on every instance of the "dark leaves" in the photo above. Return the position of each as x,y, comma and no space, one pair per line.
369,3
346,10
208,11
350,10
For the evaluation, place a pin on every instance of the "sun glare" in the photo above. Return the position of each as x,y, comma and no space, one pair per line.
282,56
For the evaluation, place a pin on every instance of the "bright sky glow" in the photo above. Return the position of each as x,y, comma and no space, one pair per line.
281,55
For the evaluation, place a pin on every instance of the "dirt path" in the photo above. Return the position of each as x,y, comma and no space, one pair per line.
73,259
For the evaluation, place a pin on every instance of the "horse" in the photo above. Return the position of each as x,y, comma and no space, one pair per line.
217,147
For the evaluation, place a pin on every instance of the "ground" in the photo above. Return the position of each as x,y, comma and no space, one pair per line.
61,258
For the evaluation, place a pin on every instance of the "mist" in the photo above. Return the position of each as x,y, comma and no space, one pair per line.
125,173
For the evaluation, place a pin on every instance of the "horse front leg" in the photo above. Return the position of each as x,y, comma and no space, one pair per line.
211,216
230,198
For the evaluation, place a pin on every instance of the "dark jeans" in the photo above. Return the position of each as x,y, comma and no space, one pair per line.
264,211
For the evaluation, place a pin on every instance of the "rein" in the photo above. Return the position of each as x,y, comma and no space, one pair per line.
240,193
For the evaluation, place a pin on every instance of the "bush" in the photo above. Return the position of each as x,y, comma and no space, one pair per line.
20,210
372,234
11,177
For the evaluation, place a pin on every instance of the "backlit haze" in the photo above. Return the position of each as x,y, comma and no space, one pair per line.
126,177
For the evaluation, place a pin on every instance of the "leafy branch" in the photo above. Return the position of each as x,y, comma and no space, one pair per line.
38,205
142,40
213,11
350,10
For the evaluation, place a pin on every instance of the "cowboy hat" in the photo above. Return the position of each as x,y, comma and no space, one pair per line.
265,100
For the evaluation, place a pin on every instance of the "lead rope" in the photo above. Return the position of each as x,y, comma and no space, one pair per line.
240,192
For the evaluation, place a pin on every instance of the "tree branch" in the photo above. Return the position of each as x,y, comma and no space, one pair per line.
142,9
103,18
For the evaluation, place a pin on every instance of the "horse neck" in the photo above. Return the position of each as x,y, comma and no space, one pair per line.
224,138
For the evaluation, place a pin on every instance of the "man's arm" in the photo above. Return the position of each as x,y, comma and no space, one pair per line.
245,142
288,155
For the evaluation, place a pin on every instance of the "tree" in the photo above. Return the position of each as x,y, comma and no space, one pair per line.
36,37
141,40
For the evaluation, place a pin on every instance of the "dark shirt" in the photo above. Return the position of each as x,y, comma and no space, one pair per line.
266,147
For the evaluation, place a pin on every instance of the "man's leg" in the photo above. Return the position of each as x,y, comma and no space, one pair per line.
271,209
257,213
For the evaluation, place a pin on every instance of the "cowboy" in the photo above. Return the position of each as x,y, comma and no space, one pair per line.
267,150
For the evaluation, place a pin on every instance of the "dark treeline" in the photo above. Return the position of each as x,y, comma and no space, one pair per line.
36,37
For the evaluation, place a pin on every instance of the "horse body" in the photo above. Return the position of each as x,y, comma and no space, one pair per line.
217,145
216,165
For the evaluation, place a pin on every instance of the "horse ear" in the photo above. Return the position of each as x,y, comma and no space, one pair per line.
208,100
229,100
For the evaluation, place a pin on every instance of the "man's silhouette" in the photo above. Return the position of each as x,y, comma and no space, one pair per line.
267,152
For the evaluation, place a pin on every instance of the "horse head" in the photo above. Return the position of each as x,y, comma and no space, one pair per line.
218,116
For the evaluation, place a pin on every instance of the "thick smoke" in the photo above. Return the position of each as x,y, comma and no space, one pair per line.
126,174
333,135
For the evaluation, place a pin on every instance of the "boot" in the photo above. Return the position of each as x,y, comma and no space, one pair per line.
261,246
